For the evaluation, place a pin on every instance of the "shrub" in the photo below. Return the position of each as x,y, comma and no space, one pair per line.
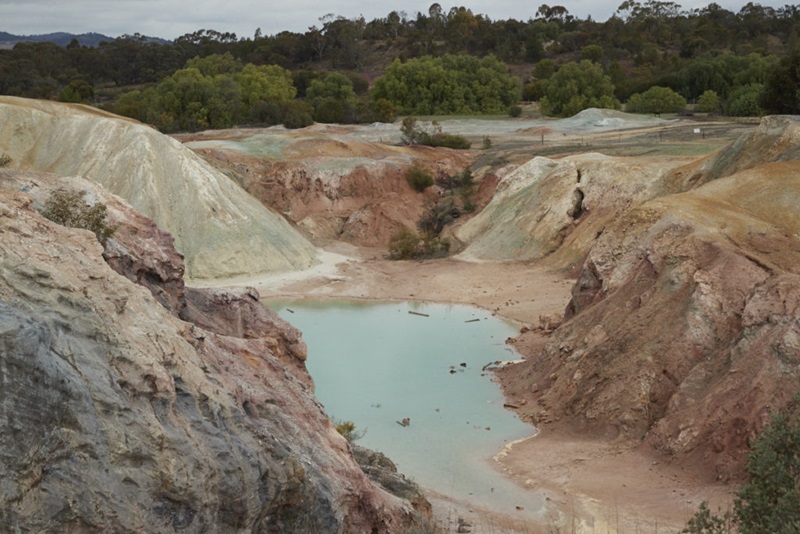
656,100
446,140
348,430
68,208
745,101
515,111
407,244
708,102
413,133
487,143
263,112
329,110
770,500
438,216
297,115
418,178
404,245
5,159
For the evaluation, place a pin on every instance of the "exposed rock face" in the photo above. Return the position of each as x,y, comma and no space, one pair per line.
117,416
331,184
557,208
685,324
221,230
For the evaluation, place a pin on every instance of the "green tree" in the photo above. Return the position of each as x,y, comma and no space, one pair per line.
452,84
215,64
656,100
782,87
333,98
578,86
78,91
268,83
298,114
544,69
593,53
709,102
745,101
333,85
770,501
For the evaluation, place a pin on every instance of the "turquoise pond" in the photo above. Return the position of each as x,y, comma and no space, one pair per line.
376,364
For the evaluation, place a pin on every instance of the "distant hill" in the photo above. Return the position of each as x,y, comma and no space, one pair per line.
8,40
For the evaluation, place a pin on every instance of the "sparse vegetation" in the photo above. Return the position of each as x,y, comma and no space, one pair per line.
770,500
408,244
348,430
414,133
5,159
418,178
69,208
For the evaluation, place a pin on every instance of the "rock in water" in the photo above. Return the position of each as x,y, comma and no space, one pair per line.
220,229
117,416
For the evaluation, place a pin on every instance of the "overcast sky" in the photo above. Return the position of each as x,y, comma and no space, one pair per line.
172,18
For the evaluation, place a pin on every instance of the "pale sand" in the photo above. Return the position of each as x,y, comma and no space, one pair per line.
594,486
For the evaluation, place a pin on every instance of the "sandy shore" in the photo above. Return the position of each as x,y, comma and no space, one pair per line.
594,486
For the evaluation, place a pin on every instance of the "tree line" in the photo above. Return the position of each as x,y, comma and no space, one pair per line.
741,62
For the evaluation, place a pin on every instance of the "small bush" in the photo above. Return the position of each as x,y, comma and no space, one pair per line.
487,143
298,115
414,133
418,178
708,102
348,430
5,159
515,111
329,110
68,208
407,244
404,245
438,216
745,101
446,140
770,500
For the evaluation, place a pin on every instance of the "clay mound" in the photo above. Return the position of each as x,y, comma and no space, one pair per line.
594,119
684,323
548,205
221,230
331,183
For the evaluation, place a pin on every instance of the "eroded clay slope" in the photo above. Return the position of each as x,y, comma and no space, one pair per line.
328,180
548,206
221,230
684,325
117,416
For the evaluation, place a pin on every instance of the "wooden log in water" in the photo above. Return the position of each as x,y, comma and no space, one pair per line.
418,313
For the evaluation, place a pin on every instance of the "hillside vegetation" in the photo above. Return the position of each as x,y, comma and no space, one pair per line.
737,63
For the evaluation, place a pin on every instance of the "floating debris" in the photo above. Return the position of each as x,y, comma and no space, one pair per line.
418,313
405,422
472,321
